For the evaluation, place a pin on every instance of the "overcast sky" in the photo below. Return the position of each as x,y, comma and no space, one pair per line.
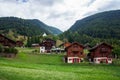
58,13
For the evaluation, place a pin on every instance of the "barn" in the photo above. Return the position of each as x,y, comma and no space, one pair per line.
101,53
74,53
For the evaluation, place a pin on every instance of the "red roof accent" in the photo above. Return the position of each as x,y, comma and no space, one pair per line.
73,44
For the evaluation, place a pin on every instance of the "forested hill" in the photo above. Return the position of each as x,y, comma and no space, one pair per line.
25,27
50,29
101,25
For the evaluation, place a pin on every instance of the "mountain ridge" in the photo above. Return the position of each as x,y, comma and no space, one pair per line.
100,27
102,22
27,27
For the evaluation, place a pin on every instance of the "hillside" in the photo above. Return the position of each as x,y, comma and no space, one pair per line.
101,26
25,27
50,29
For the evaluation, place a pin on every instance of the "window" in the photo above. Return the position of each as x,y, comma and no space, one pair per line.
103,49
75,48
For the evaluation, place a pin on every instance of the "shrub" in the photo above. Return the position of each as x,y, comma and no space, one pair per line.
116,61
11,50
1,48
15,51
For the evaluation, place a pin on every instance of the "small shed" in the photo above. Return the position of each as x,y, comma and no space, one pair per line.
48,44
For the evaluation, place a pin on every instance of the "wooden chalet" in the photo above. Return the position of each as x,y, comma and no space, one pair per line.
47,44
19,43
74,53
6,41
101,53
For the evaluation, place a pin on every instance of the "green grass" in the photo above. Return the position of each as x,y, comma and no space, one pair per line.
51,67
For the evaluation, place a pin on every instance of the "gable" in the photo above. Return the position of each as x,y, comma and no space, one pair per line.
74,46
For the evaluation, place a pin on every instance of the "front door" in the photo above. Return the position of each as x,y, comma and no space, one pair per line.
75,60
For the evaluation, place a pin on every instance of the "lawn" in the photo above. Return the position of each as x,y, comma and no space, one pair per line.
28,66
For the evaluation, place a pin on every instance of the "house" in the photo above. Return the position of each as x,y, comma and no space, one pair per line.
42,49
58,48
87,46
6,41
101,53
74,53
48,44
8,49
19,43
44,35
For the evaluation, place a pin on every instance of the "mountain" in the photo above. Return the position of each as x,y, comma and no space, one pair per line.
103,26
26,27
50,29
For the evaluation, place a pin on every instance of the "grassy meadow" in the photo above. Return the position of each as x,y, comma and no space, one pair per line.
28,65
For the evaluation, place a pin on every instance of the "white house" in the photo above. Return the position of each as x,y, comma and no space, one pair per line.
42,49
44,35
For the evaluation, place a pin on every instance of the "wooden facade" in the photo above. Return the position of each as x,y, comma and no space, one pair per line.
74,53
6,41
19,43
101,53
48,44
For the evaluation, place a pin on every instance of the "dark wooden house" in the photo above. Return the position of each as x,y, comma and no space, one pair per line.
19,43
6,41
48,44
101,53
74,53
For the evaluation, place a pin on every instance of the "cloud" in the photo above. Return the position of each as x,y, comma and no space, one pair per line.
59,13
100,6
48,2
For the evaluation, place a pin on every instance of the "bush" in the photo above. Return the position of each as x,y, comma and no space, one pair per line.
1,48
11,50
116,51
116,61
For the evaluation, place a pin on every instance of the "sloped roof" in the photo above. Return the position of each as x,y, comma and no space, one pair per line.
13,42
73,44
8,38
58,43
103,43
